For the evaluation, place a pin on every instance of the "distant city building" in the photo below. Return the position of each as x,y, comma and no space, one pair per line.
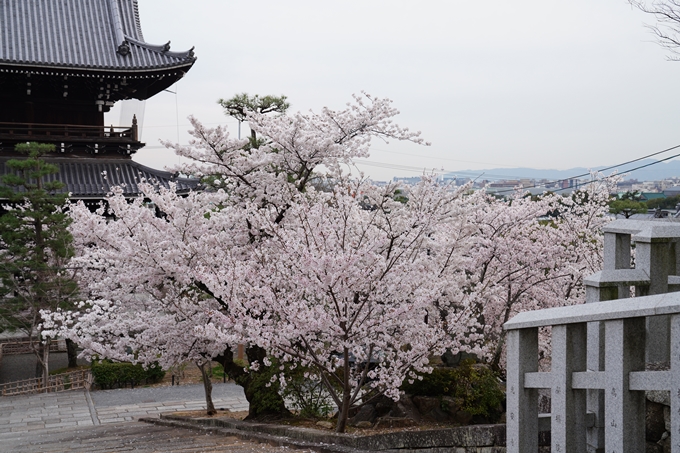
568,183
411,181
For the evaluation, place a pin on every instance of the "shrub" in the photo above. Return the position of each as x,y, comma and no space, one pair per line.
477,385
307,394
262,391
218,372
108,374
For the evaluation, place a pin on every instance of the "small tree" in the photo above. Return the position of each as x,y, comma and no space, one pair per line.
519,262
628,204
35,248
627,207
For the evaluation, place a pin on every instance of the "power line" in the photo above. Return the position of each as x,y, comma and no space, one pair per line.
604,169
478,174
373,148
609,168
414,169
636,160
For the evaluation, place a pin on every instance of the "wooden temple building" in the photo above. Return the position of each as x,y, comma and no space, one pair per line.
63,64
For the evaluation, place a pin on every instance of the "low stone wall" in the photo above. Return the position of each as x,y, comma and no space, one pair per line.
463,439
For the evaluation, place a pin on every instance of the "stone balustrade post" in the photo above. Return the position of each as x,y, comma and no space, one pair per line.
624,408
568,406
522,403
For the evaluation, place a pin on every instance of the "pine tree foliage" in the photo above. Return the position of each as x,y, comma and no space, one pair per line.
35,246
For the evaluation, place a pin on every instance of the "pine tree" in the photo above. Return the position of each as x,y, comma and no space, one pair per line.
35,247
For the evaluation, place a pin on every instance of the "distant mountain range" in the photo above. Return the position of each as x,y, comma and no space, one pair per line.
654,172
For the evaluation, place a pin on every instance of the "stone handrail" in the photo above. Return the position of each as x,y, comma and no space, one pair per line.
622,379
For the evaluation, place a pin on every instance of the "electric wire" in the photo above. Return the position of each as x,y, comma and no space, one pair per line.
604,178
608,168
478,174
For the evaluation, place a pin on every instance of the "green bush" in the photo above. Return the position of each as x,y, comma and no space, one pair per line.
477,385
306,392
261,391
218,372
108,374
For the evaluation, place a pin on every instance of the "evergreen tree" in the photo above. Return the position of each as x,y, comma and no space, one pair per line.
241,104
35,247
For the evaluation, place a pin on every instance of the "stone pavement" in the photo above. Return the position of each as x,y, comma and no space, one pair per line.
53,412
131,436
105,421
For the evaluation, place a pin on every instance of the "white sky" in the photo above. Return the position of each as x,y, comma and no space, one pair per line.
527,83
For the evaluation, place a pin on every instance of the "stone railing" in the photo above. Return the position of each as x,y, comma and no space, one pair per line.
621,381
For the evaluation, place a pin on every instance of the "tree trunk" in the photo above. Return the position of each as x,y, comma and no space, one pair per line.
72,353
207,386
343,415
264,401
46,366
38,361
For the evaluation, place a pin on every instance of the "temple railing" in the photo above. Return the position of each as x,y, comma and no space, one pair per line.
621,382
67,132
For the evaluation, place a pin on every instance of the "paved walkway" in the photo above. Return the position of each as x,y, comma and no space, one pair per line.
105,421
54,412
132,436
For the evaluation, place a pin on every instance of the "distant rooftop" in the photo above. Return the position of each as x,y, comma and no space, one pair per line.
79,37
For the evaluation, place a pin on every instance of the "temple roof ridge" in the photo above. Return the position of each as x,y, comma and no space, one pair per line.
162,48
88,35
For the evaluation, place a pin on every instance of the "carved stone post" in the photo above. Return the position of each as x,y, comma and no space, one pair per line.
568,406
522,417
624,408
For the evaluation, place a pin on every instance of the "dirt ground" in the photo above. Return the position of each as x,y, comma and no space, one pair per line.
311,423
190,374
186,374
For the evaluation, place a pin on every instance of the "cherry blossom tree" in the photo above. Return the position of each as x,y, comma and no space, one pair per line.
530,254
353,284
180,249
357,283
138,274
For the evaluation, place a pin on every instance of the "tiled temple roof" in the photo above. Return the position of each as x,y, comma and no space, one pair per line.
93,178
83,35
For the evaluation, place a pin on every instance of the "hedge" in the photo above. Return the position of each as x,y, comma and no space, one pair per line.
108,374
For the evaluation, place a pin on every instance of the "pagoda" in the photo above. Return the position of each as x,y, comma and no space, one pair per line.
63,64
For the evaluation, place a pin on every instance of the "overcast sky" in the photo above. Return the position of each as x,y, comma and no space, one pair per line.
527,83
